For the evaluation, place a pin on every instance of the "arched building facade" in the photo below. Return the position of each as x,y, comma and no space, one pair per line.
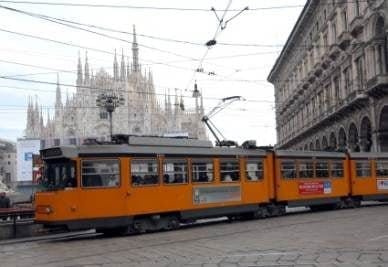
331,79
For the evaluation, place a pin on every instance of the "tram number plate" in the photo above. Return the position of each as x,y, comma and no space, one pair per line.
207,195
382,184
315,188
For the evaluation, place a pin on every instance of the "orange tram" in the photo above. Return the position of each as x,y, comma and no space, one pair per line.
148,183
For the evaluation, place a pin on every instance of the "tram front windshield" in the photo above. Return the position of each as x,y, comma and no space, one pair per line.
59,174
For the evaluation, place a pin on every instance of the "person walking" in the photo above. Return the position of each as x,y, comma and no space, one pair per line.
4,201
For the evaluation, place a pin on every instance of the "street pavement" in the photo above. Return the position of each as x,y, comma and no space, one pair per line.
354,237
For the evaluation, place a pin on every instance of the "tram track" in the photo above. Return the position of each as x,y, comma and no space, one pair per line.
66,236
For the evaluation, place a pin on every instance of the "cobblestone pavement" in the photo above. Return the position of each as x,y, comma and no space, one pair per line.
357,237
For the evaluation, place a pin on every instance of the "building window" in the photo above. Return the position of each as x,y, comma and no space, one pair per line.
229,170
345,20
202,170
360,72
321,102
334,31
358,11
347,81
144,172
73,141
175,171
101,173
336,82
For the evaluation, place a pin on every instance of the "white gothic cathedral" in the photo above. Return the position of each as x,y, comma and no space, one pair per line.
142,114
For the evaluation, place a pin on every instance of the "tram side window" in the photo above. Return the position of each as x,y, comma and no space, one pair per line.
382,168
202,170
306,169
337,169
175,171
288,169
322,169
144,172
100,173
254,170
363,168
58,174
229,170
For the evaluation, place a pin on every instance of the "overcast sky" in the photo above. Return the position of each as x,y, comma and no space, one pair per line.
239,69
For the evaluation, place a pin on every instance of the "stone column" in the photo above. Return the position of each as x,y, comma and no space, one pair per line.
369,58
383,59
377,63
373,125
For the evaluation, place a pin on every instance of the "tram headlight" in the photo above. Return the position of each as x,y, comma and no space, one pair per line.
44,209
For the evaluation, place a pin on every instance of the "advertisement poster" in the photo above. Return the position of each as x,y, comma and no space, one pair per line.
213,194
314,188
382,184
25,149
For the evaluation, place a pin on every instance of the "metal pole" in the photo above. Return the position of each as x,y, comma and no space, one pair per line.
110,125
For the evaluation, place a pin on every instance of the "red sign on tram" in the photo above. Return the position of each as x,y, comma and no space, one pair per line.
314,188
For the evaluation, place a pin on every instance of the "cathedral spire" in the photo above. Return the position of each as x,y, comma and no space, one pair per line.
135,53
182,104
115,68
41,119
128,69
176,104
87,74
122,67
29,118
79,70
58,100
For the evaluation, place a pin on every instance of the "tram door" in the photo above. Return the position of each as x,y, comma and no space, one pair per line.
102,193
144,193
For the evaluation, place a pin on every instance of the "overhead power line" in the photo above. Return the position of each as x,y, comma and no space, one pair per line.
71,4
68,23
119,90
160,8
83,47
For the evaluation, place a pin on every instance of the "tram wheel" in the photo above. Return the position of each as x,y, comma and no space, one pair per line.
172,223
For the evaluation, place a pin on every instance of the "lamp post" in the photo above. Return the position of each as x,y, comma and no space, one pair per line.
109,102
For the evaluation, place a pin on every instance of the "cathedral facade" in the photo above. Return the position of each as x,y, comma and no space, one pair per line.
143,113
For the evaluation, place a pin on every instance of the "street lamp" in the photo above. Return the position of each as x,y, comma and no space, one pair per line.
110,102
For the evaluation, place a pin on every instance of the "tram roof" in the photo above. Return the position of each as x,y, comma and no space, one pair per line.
150,146
368,155
308,154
